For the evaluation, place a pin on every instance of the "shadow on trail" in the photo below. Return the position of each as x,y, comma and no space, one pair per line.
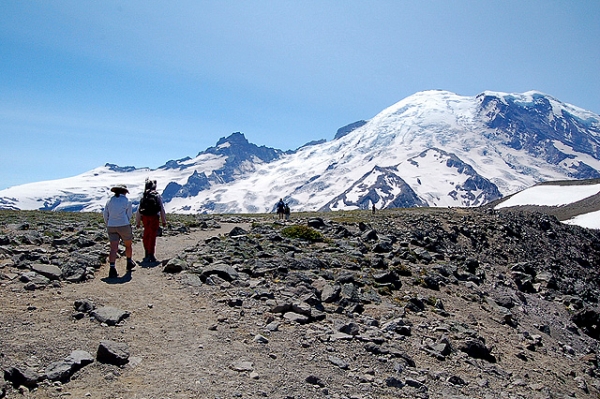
118,280
149,265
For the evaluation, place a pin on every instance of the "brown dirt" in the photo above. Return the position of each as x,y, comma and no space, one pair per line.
174,353
183,338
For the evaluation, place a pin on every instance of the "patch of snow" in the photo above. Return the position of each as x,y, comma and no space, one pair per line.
551,195
589,220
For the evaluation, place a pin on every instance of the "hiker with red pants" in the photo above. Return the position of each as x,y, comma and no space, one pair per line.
150,213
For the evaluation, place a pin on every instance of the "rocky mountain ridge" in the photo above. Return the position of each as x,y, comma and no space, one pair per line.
434,148
420,303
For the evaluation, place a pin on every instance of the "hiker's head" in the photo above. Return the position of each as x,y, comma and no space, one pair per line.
120,189
150,185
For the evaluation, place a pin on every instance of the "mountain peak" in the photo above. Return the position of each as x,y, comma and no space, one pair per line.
236,138
434,148
237,147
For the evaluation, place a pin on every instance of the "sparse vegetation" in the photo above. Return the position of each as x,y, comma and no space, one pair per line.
302,232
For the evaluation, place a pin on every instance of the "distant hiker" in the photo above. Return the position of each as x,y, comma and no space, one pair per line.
286,211
373,209
280,208
150,210
117,215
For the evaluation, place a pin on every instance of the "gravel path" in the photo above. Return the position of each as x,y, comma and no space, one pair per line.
174,354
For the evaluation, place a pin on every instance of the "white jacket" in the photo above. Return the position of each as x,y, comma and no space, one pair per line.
118,211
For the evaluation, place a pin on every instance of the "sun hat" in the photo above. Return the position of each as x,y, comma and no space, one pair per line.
120,188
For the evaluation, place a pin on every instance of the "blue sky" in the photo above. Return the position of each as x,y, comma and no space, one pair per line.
143,82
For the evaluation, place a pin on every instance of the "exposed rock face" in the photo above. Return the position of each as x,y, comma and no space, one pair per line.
535,126
195,183
240,156
388,188
341,132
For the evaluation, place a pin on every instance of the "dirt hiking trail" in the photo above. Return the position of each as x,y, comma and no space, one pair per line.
176,351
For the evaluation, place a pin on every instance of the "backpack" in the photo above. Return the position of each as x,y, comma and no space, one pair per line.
280,207
150,204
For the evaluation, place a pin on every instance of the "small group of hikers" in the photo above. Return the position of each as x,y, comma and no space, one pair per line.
283,210
117,216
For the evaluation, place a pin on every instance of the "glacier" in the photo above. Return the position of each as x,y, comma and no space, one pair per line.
434,148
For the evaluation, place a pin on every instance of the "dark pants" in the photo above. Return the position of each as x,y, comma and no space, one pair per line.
151,225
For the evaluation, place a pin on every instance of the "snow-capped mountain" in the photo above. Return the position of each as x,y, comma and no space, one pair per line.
230,158
434,148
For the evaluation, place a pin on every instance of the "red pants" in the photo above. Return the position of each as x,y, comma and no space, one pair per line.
151,225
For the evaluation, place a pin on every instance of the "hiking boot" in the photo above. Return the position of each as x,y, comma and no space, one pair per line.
152,259
113,272
130,264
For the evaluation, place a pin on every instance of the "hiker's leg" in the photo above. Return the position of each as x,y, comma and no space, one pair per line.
146,235
113,237
114,247
127,237
128,248
151,225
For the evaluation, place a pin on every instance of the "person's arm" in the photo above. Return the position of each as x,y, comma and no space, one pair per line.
129,210
163,214
105,212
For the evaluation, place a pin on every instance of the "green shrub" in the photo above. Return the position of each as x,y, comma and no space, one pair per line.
302,232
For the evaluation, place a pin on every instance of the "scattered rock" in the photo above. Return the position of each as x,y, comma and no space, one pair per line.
109,315
314,380
296,318
49,271
237,231
222,270
175,265
112,352
242,366
22,375
261,339
338,362
84,305
477,349
79,359
34,281
386,307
